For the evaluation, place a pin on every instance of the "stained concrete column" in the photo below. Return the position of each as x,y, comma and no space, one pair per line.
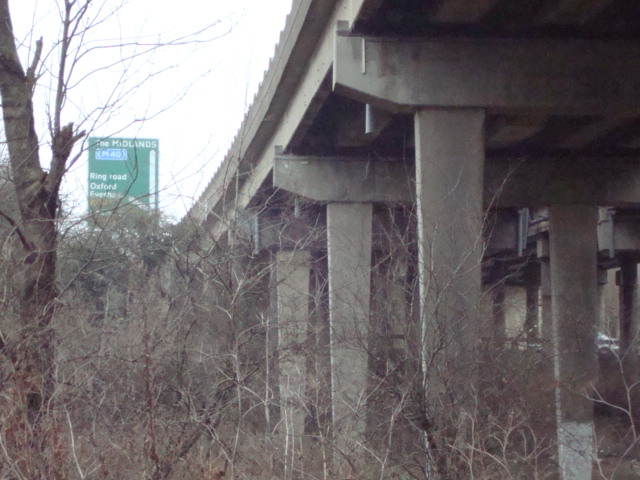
319,456
629,319
531,322
573,268
602,301
293,326
546,319
391,328
390,312
498,333
349,260
546,390
493,314
449,190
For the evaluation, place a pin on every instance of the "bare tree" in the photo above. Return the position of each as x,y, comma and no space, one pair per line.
31,426
38,198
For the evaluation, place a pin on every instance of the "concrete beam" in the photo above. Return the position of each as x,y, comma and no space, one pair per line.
500,231
573,12
619,234
361,127
284,232
507,183
592,132
363,11
510,130
554,76
335,179
626,233
595,181
284,94
462,11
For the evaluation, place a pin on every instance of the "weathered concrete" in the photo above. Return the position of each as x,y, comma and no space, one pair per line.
629,320
293,330
449,185
561,95
336,179
547,412
569,76
507,183
515,308
603,321
302,43
545,181
531,324
501,232
625,234
349,258
318,452
461,11
546,318
573,265
390,362
498,331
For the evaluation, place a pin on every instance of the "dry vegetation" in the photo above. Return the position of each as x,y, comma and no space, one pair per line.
166,367
132,350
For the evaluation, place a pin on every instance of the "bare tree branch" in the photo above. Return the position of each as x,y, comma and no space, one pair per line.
25,244
33,68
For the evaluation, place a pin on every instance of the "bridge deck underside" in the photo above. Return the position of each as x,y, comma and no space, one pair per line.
493,142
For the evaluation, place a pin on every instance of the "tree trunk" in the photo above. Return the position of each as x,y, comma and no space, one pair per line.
30,427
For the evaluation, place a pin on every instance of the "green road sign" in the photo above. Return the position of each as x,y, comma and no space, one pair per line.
123,171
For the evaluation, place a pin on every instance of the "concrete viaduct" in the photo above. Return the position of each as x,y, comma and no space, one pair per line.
497,140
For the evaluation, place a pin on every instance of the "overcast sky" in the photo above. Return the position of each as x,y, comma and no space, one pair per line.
192,96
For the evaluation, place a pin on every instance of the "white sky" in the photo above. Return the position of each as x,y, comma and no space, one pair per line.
202,90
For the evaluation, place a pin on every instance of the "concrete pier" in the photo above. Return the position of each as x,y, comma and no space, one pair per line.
629,319
573,273
449,191
293,327
349,261
391,364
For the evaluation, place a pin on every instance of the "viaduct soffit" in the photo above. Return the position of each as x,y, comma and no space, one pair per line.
338,128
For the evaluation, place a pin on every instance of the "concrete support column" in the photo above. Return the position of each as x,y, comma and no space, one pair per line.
389,332
546,389
349,260
319,456
390,313
573,269
602,301
629,319
492,310
532,317
293,328
449,190
546,319
498,333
